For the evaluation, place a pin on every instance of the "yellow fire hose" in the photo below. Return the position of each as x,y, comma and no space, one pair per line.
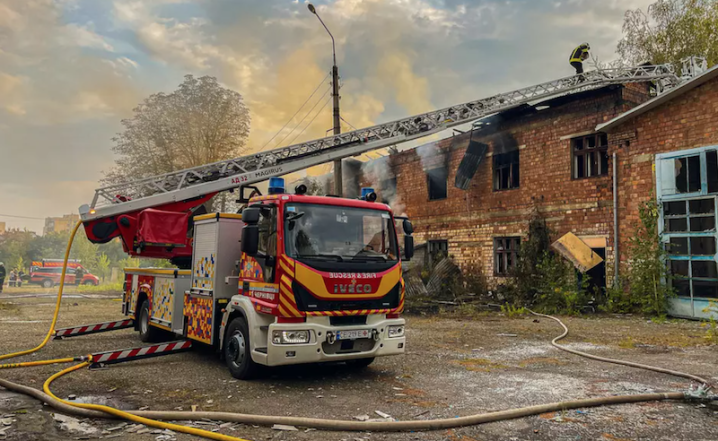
106,409
150,418
129,416
57,303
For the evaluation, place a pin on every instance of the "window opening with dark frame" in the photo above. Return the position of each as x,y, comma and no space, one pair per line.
437,182
506,253
437,250
589,156
506,170
268,241
690,227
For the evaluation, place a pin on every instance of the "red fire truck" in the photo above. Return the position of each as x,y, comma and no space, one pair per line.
47,272
292,279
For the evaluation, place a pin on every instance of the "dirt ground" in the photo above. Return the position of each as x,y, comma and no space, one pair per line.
453,367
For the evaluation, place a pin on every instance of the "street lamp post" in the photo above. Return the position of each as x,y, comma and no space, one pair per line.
335,96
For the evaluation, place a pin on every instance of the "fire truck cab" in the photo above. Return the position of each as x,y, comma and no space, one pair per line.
292,279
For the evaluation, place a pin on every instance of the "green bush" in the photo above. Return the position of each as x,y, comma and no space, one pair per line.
646,286
543,280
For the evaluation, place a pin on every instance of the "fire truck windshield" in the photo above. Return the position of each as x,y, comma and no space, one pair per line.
327,232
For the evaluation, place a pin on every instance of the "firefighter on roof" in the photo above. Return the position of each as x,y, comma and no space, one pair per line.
578,55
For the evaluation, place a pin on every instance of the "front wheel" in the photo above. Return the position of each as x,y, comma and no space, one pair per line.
147,333
237,350
90,282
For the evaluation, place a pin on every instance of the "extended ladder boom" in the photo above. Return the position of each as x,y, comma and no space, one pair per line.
224,175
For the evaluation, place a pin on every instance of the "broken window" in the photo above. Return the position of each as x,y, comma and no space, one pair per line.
691,173
506,170
506,253
438,250
436,180
690,227
589,156
692,216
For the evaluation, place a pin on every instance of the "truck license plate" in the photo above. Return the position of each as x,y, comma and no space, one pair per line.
354,334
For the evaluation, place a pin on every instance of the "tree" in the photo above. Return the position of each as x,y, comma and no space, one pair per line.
102,266
670,31
199,123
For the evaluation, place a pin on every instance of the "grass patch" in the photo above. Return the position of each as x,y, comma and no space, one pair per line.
8,307
108,287
627,343
480,365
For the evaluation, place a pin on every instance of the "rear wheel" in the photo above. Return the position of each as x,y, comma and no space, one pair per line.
360,363
47,283
148,333
237,350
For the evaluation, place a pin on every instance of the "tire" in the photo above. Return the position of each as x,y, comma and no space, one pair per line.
360,363
47,283
236,351
148,333
90,282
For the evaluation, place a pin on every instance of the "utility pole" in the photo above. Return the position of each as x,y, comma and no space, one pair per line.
338,184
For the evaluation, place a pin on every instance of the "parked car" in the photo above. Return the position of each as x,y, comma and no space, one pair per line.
49,277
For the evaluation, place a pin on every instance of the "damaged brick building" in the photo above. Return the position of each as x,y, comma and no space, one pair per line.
556,158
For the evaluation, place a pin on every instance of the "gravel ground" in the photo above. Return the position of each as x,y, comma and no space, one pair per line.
454,366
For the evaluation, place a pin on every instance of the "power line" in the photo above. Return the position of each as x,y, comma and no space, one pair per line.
350,124
295,113
21,217
305,117
310,122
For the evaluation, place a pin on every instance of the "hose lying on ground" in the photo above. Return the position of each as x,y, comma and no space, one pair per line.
344,425
700,380
150,417
57,303
129,416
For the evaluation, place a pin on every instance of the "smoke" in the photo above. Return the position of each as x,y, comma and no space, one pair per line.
380,174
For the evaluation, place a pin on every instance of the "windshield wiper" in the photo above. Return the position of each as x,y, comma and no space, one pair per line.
336,257
294,216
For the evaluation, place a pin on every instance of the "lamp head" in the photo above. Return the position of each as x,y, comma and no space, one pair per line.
311,8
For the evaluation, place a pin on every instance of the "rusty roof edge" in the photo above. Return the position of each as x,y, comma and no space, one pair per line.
659,100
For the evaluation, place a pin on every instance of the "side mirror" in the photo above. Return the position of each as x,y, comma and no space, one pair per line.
408,247
250,216
250,239
408,227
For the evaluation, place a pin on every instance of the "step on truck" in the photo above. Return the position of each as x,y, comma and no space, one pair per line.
292,279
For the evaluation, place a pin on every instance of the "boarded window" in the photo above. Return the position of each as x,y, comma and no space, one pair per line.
589,156
506,170
506,252
437,179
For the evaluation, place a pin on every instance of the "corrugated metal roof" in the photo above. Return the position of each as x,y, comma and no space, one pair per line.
659,100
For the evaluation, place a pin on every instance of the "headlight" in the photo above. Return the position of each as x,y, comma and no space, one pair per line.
290,337
396,331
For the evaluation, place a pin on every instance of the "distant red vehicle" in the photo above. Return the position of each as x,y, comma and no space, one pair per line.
50,276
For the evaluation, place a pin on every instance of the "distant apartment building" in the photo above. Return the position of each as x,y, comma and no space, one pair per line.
2,227
60,224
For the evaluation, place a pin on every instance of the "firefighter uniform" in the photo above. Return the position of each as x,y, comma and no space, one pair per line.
577,56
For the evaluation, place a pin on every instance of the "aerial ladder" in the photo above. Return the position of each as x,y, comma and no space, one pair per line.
115,209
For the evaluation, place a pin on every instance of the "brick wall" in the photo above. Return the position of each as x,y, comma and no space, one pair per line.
470,219
686,122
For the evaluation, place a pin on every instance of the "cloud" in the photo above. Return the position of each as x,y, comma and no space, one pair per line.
75,35
71,69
